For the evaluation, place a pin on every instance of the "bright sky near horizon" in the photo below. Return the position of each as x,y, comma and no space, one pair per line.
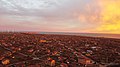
92,16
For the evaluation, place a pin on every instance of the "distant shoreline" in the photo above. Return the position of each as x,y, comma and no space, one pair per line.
100,35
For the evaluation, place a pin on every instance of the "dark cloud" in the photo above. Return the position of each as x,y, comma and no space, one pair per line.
56,14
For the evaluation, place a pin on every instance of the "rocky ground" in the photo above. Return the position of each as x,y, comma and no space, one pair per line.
45,50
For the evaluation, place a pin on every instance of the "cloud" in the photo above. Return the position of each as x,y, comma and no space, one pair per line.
61,15
110,16
62,9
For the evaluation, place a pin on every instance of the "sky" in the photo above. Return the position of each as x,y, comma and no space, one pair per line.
89,16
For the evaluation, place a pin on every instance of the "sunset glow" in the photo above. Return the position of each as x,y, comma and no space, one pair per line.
110,16
91,16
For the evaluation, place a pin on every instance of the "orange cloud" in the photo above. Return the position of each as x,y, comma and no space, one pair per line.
110,16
